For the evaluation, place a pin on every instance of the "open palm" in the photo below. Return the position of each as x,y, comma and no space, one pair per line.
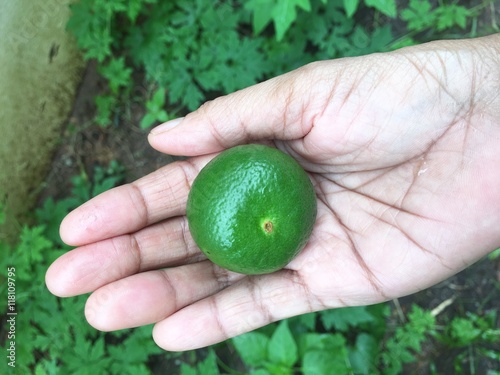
401,149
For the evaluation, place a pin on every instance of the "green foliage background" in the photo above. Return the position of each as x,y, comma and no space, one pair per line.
186,52
194,50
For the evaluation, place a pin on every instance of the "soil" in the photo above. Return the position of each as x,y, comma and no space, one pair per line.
475,290
85,144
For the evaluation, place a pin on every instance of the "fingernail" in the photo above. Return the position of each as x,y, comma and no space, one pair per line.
166,126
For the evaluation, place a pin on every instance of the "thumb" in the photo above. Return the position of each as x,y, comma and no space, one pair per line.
273,109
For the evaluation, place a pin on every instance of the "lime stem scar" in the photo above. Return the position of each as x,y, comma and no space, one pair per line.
268,226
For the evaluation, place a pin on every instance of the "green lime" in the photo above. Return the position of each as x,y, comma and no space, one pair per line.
251,209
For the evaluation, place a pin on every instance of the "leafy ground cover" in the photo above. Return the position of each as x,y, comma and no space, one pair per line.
450,328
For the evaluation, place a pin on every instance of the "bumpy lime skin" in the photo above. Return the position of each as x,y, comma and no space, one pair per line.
246,205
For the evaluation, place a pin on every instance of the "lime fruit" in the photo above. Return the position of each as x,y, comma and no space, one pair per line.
251,209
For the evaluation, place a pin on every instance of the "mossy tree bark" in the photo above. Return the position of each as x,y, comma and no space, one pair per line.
40,69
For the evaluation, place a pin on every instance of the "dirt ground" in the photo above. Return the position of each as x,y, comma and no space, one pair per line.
84,145
476,290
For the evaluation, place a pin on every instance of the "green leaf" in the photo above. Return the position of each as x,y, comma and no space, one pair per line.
319,362
307,320
388,7
158,98
304,4
310,341
229,70
206,367
284,14
90,25
360,38
495,254
209,365
105,179
155,111
47,367
350,7
134,8
32,247
148,120
162,116
328,356
380,40
51,214
147,42
97,350
342,318
110,7
490,353
282,348
188,370
116,73
193,97
418,15
277,369
463,332
420,322
362,357
73,308
262,14
105,107
252,347
82,18
97,46
260,371
452,15
407,340
134,350
86,357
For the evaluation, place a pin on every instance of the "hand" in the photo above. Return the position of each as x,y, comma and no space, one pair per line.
402,149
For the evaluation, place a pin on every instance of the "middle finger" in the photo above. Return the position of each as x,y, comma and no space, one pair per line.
89,267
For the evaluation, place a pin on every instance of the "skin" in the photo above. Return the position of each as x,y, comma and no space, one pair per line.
402,149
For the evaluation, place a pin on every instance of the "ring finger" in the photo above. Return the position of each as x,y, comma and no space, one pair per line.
152,296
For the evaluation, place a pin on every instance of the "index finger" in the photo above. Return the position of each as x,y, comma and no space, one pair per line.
284,107
128,208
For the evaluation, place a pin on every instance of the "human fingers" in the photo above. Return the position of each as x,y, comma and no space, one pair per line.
128,208
151,296
92,266
244,306
283,108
